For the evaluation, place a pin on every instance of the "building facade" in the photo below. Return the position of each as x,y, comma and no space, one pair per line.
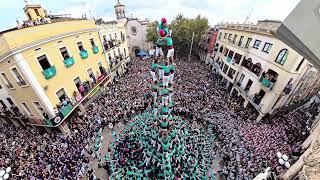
136,30
260,68
52,65
113,37
207,44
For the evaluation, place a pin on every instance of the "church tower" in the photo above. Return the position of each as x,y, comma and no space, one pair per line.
120,12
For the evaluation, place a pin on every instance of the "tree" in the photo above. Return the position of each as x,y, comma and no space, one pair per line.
152,35
182,33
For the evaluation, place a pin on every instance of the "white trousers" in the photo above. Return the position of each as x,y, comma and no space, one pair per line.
161,72
153,74
170,97
170,53
154,94
159,51
171,76
166,80
165,100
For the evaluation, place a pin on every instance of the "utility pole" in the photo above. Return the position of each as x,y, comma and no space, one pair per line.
191,46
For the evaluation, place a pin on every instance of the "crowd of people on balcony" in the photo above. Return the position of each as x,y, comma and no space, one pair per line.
270,78
247,148
109,44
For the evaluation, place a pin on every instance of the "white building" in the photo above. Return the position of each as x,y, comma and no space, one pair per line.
113,37
259,67
136,30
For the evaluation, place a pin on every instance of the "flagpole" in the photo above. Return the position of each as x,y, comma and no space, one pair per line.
191,46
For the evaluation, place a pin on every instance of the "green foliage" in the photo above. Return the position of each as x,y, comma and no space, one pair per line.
152,35
182,32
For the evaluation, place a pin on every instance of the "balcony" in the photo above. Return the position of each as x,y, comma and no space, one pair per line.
268,79
68,62
287,89
254,68
50,72
95,49
229,60
84,54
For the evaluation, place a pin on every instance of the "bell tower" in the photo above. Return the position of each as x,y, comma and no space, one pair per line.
33,12
120,12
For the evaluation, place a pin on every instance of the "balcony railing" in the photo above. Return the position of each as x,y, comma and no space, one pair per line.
95,49
267,83
63,112
68,62
84,54
229,60
50,72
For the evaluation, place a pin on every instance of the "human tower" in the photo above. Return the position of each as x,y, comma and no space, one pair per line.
157,144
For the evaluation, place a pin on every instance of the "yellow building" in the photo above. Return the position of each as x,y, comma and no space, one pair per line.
49,61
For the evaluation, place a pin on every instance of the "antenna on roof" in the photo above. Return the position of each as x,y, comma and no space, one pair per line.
26,2
247,19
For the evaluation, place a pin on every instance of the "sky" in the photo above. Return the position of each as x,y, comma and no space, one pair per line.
215,10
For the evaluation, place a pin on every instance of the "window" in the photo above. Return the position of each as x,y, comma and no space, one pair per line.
222,64
256,44
44,63
240,80
133,30
80,46
37,12
39,108
6,80
3,104
10,101
234,39
125,52
231,73
77,82
225,35
90,73
282,56
221,49
240,41
115,36
64,53
101,68
26,108
248,42
299,66
226,50
19,78
230,54
237,58
61,95
104,38
229,37
267,47
220,34
93,44
225,69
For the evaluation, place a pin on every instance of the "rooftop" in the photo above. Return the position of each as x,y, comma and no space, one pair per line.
263,26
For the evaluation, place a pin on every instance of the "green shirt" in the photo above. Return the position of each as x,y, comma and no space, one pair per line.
168,41
166,69
165,28
164,92
165,110
154,66
171,67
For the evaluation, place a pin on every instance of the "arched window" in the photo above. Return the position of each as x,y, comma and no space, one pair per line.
282,56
